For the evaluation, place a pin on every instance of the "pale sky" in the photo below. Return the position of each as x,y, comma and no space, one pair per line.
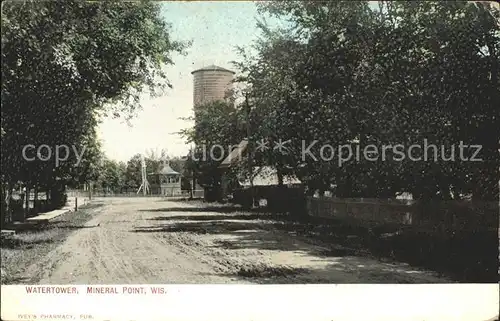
215,29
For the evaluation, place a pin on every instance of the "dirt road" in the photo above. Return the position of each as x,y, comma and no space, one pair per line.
139,240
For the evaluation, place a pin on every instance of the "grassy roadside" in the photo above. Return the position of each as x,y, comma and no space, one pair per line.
28,247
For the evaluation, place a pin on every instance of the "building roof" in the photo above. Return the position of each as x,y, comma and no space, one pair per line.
268,176
167,170
234,155
213,68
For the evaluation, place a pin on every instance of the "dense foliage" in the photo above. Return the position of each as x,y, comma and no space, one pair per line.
119,177
219,127
409,73
65,65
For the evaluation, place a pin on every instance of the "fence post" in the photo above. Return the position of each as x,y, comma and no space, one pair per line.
76,204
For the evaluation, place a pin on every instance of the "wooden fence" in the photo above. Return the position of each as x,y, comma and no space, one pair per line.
81,193
441,215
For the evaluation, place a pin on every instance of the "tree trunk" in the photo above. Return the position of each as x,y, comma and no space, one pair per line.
486,188
35,200
489,189
250,149
27,200
50,200
252,188
445,190
2,199
193,184
7,203
322,189
279,172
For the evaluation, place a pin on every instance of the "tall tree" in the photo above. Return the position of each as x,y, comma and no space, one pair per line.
398,73
218,128
66,64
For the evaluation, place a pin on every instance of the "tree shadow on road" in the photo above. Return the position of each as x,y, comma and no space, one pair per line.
338,270
334,239
15,243
208,217
212,227
6,280
221,209
354,267
268,275
247,231
262,231
339,264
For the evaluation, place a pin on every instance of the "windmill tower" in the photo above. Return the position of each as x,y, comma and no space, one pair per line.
145,184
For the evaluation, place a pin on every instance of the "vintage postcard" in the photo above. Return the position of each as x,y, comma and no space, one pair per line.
239,160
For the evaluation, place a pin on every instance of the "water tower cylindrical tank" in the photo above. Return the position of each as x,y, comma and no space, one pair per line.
211,83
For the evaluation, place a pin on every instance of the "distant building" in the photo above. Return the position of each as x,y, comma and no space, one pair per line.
234,157
265,178
170,181
211,83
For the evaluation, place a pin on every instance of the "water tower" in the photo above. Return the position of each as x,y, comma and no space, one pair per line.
211,83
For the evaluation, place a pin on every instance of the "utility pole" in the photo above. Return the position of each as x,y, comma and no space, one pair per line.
250,150
190,161
193,184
